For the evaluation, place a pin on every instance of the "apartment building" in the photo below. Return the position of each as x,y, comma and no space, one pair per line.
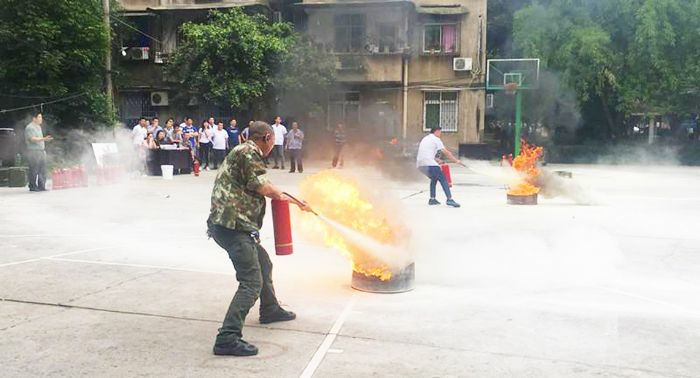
404,66
141,85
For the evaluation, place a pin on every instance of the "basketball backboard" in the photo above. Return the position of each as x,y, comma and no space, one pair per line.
523,72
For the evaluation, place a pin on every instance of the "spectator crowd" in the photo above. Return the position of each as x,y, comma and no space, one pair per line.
211,141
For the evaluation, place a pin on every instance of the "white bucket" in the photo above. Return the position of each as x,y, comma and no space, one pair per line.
167,171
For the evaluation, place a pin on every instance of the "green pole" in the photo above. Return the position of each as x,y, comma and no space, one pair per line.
518,120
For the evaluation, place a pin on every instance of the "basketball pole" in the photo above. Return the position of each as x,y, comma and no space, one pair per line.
518,120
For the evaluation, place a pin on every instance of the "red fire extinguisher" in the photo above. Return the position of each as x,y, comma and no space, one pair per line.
446,171
67,178
56,179
283,227
196,167
83,176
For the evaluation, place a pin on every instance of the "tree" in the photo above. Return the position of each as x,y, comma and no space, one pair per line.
303,77
237,60
619,56
51,49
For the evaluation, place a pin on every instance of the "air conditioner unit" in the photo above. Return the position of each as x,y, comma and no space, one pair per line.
138,53
276,16
462,64
159,98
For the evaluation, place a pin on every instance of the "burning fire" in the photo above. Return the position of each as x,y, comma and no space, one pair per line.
526,164
339,199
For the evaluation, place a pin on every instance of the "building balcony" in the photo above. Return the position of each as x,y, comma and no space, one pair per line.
375,67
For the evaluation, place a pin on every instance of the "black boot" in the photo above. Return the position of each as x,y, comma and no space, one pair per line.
238,347
278,315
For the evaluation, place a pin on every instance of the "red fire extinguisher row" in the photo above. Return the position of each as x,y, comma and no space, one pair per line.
64,178
282,225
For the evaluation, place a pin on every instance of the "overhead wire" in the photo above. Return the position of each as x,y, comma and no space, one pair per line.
41,104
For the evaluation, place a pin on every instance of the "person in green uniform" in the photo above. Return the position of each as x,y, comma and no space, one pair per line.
36,156
236,216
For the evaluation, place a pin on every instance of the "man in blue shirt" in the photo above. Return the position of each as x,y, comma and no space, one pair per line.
233,133
190,132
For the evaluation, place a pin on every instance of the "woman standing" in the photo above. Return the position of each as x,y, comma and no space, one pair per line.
205,134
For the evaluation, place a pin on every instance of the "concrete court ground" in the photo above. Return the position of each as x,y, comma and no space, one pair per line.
121,281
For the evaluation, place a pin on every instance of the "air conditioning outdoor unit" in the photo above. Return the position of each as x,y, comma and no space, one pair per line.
138,53
489,101
462,64
159,98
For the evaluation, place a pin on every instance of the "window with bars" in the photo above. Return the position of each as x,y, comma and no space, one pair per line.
440,109
349,32
387,38
440,38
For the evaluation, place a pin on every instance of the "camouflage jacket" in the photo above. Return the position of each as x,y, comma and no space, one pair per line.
235,204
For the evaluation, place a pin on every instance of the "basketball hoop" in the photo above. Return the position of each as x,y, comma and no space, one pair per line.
511,88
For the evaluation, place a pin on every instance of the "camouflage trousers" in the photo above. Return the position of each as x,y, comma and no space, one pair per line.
254,275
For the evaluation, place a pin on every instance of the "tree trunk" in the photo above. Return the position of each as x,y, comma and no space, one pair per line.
608,115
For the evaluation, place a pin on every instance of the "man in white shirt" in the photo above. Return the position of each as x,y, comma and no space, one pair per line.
220,140
138,133
280,132
429,165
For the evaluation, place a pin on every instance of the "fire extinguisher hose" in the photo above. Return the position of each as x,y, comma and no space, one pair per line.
300,203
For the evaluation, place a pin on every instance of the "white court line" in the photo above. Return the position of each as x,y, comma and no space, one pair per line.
57,255
160,267
328,341
7,236
648,299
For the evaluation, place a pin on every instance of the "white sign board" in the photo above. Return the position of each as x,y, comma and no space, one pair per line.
105,153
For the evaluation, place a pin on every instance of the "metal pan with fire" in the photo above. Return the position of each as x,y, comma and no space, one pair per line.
347,219
525,192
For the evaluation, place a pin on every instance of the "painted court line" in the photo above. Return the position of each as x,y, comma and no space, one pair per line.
328,341
55,256
649,299
145,266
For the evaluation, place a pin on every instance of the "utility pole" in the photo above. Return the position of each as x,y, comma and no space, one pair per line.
108,56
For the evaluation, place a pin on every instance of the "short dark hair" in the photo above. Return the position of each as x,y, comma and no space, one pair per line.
155,118
142,118
36,113
259,129
434,129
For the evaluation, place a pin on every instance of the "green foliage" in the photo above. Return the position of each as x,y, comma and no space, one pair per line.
54,48
619,56
236,59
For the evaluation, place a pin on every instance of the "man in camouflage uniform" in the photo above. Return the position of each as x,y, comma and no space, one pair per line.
237,211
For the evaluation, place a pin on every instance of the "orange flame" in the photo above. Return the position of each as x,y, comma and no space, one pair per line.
526,163
340,199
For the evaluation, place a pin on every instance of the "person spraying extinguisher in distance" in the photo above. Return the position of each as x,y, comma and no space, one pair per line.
236,216
430,166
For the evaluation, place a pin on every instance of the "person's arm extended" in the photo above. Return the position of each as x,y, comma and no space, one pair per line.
271,191
41,139
450,156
